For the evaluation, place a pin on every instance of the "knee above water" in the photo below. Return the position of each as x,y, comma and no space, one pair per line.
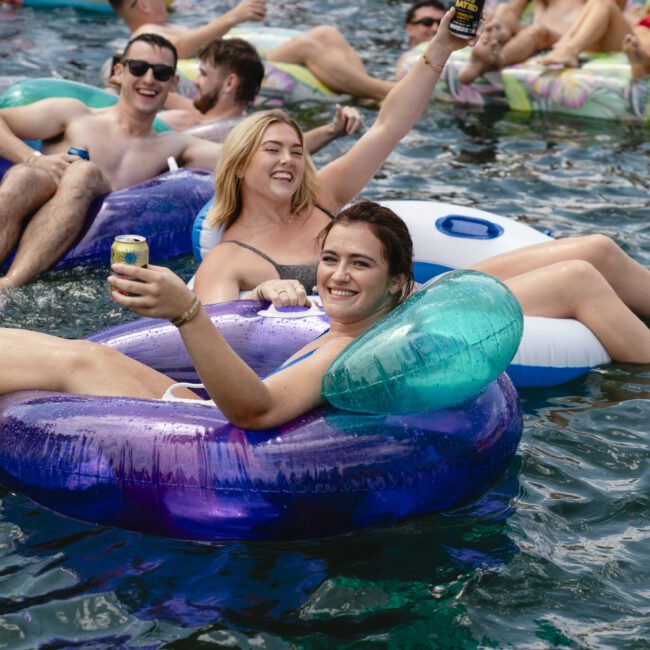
580,273
84,175
326,33
601,248
84,356
25,172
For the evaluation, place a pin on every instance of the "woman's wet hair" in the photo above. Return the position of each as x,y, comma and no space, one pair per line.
389,229
239,148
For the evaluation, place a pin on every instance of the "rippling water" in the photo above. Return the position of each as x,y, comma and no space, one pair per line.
557,556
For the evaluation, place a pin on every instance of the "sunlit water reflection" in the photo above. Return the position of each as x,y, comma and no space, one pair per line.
556,556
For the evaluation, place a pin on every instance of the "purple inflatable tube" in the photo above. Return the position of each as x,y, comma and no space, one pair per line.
181,470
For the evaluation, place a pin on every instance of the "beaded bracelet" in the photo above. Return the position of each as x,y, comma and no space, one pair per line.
438,67
188,314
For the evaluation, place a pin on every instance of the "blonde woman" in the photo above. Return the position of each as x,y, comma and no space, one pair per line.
272,202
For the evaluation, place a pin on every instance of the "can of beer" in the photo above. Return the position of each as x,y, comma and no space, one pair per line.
78,151
129,249
465,22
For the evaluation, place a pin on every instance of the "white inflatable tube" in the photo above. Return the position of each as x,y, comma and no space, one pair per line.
447,236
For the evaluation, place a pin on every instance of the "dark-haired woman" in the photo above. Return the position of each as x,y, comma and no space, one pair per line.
364,271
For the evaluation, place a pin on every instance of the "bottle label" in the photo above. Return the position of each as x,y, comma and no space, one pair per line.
465,22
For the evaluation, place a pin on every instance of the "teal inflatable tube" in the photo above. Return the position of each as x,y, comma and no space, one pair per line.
97,6
29,91
443,345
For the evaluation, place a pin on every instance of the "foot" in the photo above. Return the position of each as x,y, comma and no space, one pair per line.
486,56
5,283
560,56
639,60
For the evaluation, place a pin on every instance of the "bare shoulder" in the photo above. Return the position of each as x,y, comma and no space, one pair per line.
222,262
331,348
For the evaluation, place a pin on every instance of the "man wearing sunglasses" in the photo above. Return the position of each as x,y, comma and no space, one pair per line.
44,197
422,20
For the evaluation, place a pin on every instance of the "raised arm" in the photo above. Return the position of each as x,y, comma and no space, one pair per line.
345,177
190,42
346,121
245,399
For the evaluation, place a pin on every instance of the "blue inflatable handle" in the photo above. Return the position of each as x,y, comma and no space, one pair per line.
462,225
443,345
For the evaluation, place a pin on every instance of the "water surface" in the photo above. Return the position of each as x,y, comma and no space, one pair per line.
557,556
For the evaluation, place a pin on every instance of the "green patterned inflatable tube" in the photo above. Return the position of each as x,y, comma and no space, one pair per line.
602,87
282,81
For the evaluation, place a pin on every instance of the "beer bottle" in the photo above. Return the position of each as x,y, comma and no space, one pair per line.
465,22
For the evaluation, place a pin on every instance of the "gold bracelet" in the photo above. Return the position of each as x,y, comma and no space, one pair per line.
438,67
188,314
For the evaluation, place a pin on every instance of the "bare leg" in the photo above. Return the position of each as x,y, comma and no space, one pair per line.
600,27
36,361
333,61
488,54
53,229
24,189
576,289
637,48
507,19
527,43
629,279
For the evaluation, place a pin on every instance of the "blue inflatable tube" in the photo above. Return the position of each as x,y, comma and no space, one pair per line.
181,470
162,209
446,236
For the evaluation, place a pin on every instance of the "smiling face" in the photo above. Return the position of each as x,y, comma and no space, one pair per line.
276,168
353,275
418,33
146,93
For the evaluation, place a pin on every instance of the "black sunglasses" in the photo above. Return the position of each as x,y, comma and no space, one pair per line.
139,68
427,22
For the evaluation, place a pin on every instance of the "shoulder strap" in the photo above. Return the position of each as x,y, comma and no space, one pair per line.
252,249
327,212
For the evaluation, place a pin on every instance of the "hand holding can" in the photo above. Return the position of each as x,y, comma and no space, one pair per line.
129,249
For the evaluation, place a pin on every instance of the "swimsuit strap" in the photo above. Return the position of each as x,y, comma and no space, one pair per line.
326,211
287,364
253,250
304,273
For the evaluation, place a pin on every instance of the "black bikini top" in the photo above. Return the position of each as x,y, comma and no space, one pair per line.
304,273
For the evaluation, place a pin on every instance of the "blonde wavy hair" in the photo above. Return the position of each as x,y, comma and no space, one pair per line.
238,149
